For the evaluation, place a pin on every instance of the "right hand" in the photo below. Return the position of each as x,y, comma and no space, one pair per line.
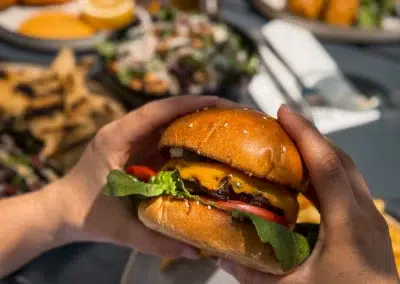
354,244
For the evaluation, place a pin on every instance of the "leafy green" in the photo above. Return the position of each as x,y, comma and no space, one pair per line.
167,14
107,49
125,76
164,183
309,230
372,12
290,248
18,160
369,15
388,6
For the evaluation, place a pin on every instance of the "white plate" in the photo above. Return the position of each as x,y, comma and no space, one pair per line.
13,17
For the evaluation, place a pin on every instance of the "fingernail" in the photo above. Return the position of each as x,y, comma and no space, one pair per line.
191,254
285,107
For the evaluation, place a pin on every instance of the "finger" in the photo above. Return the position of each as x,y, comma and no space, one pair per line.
224,103
150,117
335,195
357,181
246,275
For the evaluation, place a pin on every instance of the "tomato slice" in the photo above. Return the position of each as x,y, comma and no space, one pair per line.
231,205
142,173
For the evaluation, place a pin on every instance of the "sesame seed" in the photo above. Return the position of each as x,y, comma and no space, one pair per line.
197,110
187,203
209,207
206,108
198,152
245,132
191,125
245,109
283,149
264,117
238,184
197,202
226,124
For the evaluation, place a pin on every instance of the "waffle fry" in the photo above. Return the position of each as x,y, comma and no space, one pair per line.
55,104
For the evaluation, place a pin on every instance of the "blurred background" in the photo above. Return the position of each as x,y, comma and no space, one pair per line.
67,67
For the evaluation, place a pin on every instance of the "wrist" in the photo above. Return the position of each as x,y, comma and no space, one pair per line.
54,213
70,199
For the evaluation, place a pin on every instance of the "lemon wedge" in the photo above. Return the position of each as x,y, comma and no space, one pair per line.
108,14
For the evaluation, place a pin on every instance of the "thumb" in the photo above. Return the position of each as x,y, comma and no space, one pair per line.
246,275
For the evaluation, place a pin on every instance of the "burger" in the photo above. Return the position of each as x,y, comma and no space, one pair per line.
229,187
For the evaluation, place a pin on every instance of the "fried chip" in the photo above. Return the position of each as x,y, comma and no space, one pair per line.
42,126
13,104
64,64
55,103
51,143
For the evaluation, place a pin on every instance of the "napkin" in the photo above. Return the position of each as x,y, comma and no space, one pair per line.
344,106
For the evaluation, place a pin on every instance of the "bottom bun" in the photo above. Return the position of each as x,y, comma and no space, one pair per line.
210,230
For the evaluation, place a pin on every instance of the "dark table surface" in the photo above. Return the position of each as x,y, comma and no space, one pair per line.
374,148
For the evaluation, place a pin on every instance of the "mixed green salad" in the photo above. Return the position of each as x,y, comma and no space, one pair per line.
179,53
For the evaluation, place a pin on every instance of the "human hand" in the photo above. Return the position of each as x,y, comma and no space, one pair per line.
87,213
353,244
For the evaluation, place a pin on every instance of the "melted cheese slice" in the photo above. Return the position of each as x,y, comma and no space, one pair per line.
210,176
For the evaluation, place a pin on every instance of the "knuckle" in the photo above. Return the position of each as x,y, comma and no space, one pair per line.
101,140
331,163
144,111
146,114
380,223
347,160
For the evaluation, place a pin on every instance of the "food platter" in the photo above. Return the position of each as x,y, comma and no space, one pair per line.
323,30
13,17
227,87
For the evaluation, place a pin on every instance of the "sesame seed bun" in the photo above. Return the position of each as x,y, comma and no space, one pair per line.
210,230
243,139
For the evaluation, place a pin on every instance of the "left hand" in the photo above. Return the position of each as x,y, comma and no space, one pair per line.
89,215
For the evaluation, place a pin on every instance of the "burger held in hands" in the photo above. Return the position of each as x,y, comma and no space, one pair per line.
229,187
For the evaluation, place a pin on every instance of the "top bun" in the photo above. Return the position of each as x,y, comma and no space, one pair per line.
243,139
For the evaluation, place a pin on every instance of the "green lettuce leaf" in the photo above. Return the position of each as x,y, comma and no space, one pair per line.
107,49
290,248
121,184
